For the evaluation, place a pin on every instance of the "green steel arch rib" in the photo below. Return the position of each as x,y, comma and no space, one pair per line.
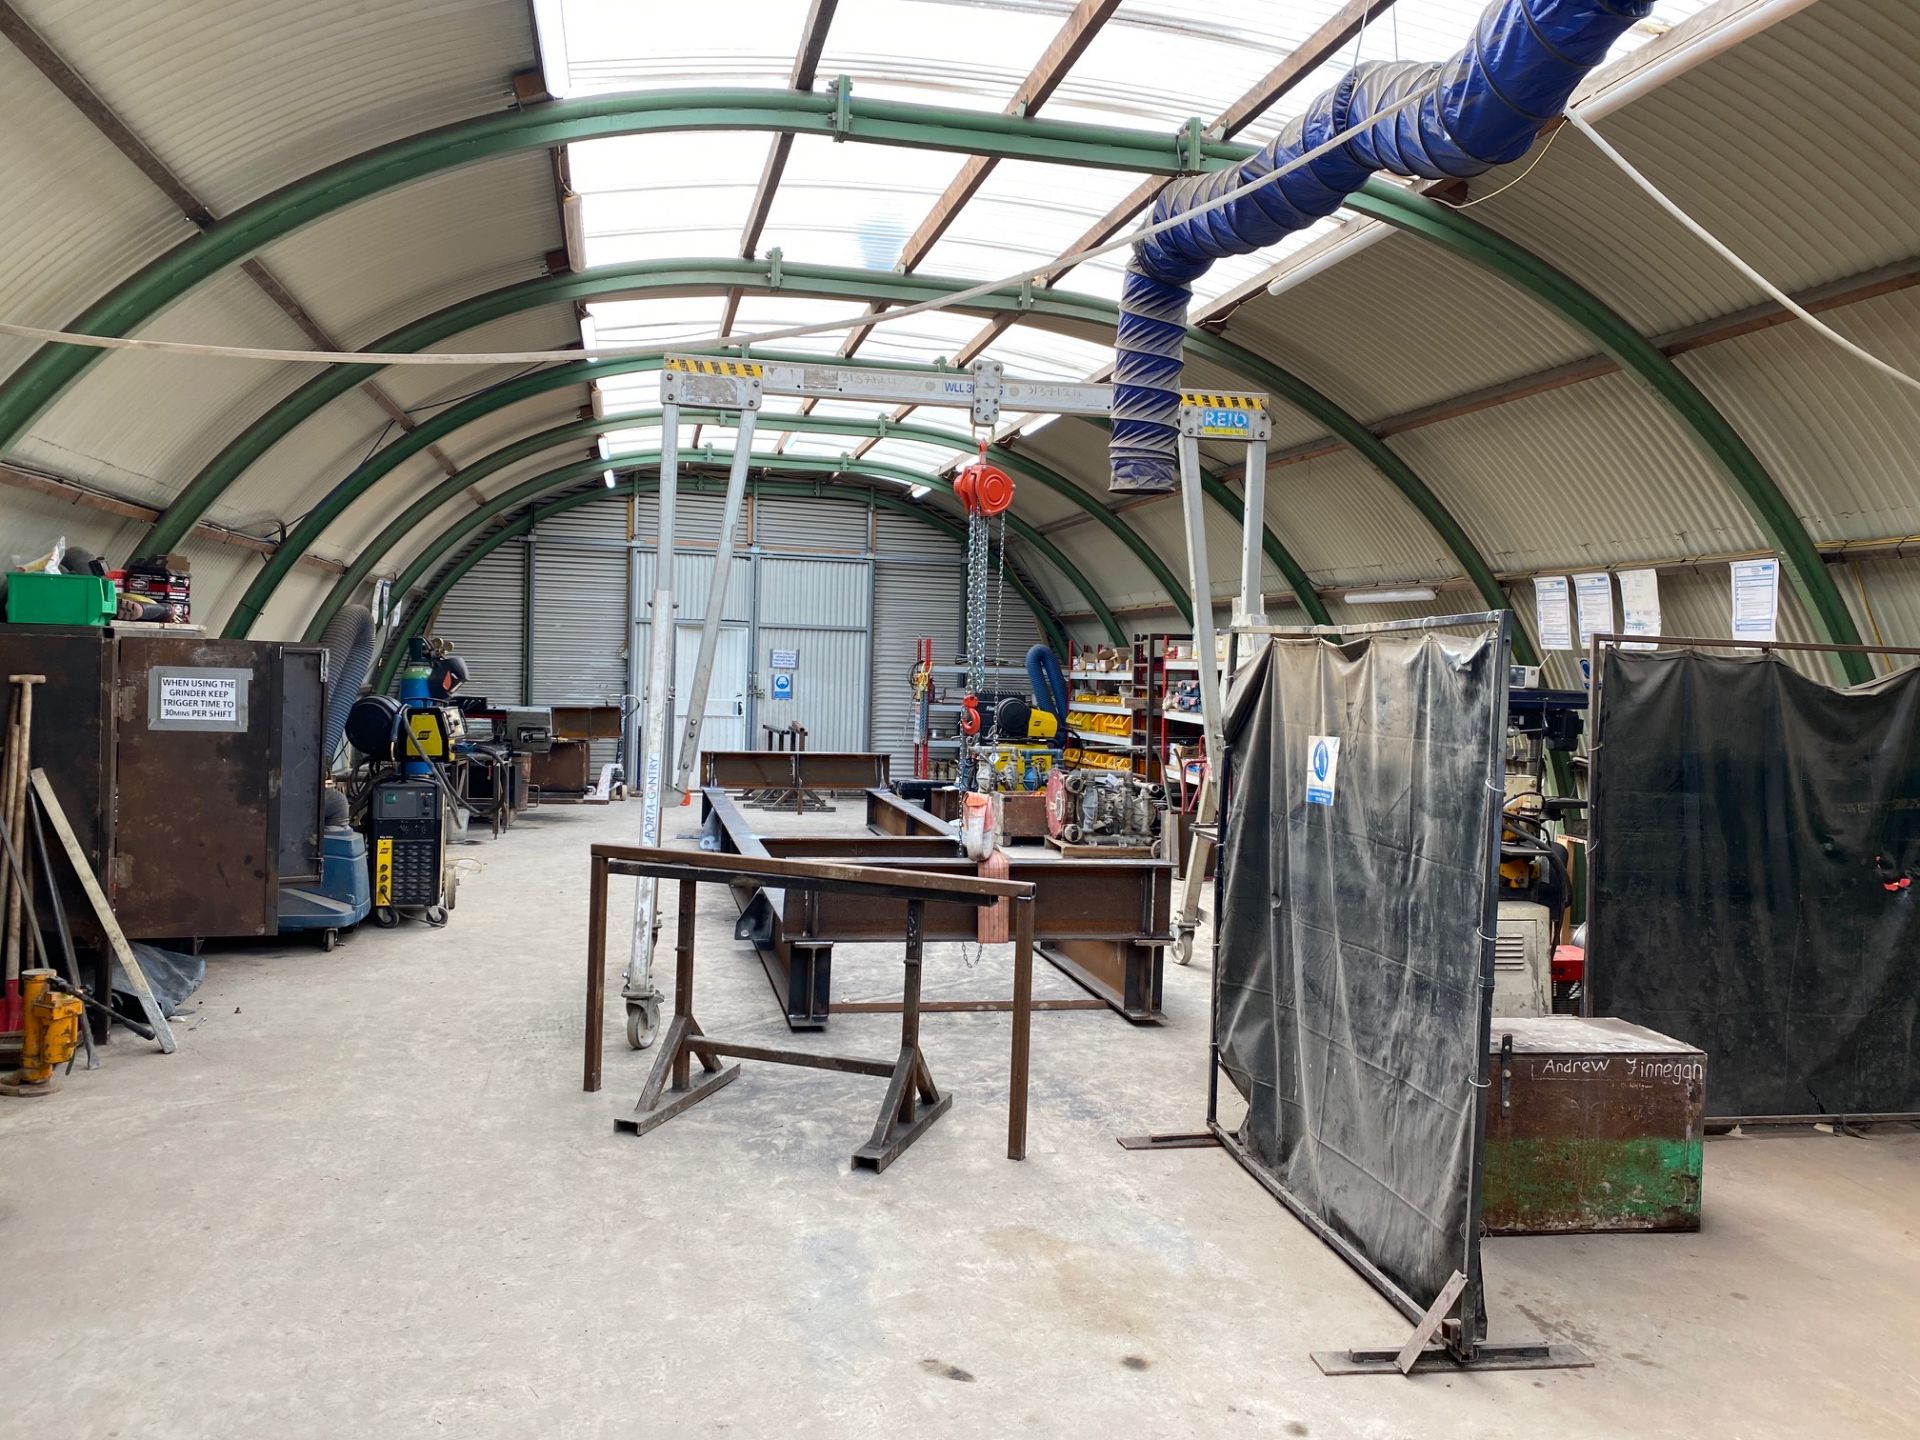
313,197
527,490
455,485
416,616
684,276
1641,359
487,402
143,295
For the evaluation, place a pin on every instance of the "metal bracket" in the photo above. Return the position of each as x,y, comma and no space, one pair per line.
774,257
1192,134
1026,294
987,376
842,107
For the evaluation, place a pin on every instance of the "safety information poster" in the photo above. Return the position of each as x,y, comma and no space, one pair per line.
1553,612
181,697
1756,598
1640,604
1594,595
1323,768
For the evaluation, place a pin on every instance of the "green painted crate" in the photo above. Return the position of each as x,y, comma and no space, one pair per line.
35,597
1592,1125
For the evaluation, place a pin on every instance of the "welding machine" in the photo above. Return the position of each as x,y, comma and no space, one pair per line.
407,842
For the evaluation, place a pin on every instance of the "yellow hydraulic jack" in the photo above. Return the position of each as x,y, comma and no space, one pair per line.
49,1038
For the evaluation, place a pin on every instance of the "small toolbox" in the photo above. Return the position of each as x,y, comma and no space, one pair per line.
1592,1125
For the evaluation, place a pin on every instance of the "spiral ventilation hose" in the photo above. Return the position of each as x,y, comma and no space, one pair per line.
1487,104
348,641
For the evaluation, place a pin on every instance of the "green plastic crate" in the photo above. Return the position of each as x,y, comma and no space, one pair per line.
35,597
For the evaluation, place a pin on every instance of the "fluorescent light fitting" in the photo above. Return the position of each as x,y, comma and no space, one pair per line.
919,492
607,477
1341,245
1390,597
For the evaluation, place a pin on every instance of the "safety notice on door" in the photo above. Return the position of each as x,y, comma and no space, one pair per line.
182,698
1323,768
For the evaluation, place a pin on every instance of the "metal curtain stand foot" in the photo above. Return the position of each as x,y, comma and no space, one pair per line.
913,1101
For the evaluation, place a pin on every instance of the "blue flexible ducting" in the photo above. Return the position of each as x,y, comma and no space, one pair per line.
1489,102
1049,684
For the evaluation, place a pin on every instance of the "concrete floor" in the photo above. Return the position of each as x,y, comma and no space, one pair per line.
368,1197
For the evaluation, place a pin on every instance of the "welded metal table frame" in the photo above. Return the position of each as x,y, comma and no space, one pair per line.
792,779
1115,954
913,1101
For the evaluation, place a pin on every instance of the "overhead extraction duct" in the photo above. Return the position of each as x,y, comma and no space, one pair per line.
1435,120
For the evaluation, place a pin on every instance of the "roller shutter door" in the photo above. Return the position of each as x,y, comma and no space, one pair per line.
485,618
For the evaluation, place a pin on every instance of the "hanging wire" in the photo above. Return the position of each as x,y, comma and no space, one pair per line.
1726,253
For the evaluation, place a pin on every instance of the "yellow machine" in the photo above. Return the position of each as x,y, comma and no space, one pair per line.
435,730
50,1036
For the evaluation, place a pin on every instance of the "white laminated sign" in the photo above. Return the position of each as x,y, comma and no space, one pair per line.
1323,768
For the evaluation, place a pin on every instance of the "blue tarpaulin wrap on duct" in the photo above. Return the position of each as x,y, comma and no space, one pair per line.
1488,104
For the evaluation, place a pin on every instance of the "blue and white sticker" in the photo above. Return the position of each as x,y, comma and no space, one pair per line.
1323,768
783,684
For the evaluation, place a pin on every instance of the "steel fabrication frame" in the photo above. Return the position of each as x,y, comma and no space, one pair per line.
913,1101
1102,923
737,388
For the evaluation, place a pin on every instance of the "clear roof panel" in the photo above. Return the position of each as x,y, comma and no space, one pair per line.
853,204
1153,64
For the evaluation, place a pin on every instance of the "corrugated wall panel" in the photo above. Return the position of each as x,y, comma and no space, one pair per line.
786,522
813,592
910,600
485,618
821,610
579,622
899,535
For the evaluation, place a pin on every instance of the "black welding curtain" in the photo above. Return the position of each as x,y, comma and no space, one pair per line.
1755,842
1353,973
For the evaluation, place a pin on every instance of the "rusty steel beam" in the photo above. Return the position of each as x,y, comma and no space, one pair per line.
1312,53
99,114
806,66
1103,923
794,769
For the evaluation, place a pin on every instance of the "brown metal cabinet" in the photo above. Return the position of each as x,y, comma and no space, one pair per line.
189,767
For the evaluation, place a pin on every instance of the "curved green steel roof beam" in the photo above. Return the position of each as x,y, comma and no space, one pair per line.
539,484
372,552
416,616
1642,359
676,276
227,242
527,490
679,276
336,501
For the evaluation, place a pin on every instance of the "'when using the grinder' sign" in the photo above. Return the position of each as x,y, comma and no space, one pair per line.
197,698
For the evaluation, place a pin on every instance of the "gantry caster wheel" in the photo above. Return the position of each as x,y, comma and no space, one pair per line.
1183,948
643,1023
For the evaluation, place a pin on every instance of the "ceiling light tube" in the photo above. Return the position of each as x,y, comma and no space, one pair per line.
1391,597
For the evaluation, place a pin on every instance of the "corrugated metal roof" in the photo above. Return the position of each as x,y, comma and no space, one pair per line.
1760,147
1591,475
1403,324
242,96
77,214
